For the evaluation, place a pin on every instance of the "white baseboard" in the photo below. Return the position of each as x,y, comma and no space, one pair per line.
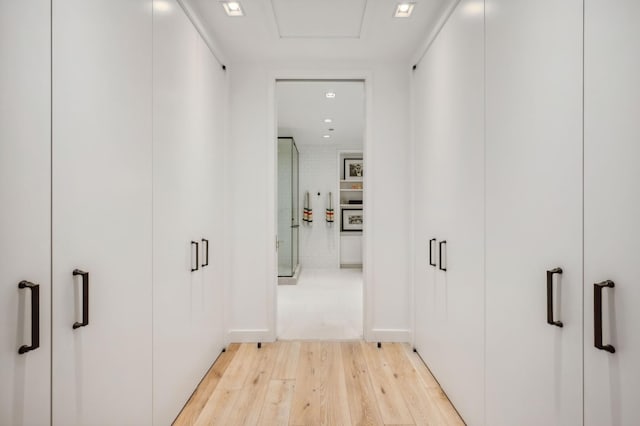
389,335
265,335
250,336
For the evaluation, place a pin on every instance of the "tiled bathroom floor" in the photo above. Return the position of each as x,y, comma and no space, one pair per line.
325,304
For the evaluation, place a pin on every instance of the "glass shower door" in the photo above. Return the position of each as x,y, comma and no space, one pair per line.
288,198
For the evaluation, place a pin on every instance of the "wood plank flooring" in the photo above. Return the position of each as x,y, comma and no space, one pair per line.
318,383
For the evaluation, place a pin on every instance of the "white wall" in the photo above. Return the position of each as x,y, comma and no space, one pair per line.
251,226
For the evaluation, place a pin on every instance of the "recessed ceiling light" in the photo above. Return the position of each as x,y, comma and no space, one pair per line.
330,95
233,8
326,136
474,8
404,10
328,120
161,6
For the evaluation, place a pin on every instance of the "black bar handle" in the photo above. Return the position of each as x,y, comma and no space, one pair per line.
85,298
197,256
550,319
35,316
431,262
597,315
440,244
206,252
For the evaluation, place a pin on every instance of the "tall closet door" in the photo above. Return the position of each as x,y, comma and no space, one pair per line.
533,212
428,219
102,157
449,154
187,168
25,179
612,211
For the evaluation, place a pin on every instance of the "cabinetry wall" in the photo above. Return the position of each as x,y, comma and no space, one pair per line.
114,175
558,144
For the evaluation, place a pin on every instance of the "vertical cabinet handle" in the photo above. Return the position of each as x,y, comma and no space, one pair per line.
206,252
197,256
442,243
550,275
431,262
597,315
35,316
85,298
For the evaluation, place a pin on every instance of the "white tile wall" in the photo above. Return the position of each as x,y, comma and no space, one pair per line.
319,242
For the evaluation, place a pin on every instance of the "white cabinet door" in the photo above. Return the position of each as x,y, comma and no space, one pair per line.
450,168
102,157
189,117
350,249
25,226
533,211
428,229
612,209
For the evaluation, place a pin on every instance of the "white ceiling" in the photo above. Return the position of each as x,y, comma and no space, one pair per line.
302,30
308,19
303,106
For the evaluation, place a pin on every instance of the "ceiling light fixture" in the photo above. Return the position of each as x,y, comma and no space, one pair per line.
404,10
161,6
328,120
233,8
330,95
474,8
326,136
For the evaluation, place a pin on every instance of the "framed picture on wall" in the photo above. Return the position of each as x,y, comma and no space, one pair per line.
352,219
353,169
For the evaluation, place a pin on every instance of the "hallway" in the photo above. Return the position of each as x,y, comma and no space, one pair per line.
480,158
312,383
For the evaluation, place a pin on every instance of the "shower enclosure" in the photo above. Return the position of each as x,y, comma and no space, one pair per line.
288,207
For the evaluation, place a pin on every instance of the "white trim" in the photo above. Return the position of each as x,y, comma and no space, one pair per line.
249,336
390,335
444,18
273,78
211,43
412,203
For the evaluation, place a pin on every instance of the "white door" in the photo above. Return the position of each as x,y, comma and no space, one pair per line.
25,226
612,210
188,109
533,212
102,157
449,155
430,124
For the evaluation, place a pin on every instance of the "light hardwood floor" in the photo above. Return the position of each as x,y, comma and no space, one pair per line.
318,383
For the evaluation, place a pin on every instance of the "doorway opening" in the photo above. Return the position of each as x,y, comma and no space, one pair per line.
320,209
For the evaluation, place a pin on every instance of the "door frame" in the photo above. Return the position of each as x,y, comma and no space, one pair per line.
366,78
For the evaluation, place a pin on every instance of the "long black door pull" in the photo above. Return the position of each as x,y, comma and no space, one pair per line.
197,256
206,252
35,316
597,315
85,298
442,243
550,275
431,262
